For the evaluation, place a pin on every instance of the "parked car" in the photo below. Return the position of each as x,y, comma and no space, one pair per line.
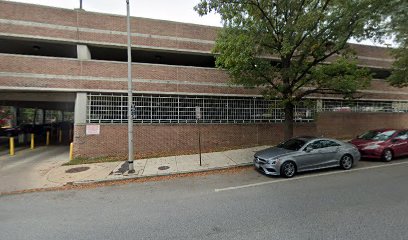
23,129
382,144
306,153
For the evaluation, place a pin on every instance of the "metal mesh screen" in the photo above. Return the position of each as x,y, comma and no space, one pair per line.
112,108
363,106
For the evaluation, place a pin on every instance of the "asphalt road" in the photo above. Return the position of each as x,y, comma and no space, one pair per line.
364,204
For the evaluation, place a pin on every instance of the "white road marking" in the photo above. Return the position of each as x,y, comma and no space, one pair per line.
306,176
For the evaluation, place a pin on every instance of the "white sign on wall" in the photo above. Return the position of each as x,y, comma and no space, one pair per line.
198,112
93,129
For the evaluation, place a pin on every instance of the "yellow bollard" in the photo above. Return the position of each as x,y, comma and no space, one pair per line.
32,141
60,136
47,140
11,146
71,151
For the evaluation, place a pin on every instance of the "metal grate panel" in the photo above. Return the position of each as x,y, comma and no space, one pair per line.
363,106
112,108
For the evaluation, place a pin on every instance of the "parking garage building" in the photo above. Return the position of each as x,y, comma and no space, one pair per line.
69,67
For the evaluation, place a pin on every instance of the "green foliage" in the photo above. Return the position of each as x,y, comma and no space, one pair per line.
341,76
282,46
399,28
285,47
399,76
5,114
27,115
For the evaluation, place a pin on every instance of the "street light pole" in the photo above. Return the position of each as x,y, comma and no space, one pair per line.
130,95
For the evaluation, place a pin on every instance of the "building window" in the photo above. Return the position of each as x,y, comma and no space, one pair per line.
363,106
181,109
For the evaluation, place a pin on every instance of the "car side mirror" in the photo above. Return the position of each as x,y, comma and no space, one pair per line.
395,140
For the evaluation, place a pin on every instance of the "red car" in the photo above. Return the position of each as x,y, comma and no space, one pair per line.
382,144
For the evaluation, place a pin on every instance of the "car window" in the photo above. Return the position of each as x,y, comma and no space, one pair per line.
316,144
322,144
292,144
402,135
329,143
384,135
377,135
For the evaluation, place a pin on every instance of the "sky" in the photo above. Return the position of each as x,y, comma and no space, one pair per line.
173,10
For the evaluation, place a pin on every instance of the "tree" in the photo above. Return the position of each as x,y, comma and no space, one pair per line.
284,46
4,115
399,27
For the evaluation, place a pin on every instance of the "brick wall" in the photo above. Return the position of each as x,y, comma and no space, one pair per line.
349,125
164,140
113,76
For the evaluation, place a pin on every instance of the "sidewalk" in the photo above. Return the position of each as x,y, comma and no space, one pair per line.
99,172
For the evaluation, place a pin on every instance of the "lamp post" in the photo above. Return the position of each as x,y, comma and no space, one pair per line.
130,95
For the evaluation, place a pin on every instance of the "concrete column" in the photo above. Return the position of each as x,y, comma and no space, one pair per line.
18,121
43,116
319,105
83,52
80,108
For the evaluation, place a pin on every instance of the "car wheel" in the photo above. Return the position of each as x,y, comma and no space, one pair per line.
346,162
387,155
288,169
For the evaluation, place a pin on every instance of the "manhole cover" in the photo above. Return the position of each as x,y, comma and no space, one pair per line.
163,167
77,169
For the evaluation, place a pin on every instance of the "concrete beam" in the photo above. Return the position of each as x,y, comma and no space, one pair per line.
63,106
80,108
83,52
37,96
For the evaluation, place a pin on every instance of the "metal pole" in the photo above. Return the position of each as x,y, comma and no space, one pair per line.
130,95
199,139
80,4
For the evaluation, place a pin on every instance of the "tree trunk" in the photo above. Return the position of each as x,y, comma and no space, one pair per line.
288,123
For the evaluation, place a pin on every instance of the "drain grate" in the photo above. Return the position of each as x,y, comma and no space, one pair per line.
77,169
163,167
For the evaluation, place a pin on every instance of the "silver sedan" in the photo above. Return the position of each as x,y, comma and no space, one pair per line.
304,154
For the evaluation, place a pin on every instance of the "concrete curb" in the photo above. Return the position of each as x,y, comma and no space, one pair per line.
125,178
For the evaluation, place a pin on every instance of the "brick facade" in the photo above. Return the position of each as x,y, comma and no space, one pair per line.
162,140
349,125
79,26
33,73
62,73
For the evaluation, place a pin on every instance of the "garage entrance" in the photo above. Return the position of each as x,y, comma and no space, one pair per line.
32,119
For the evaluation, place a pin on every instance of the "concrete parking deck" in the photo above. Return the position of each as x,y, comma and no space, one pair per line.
28,168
